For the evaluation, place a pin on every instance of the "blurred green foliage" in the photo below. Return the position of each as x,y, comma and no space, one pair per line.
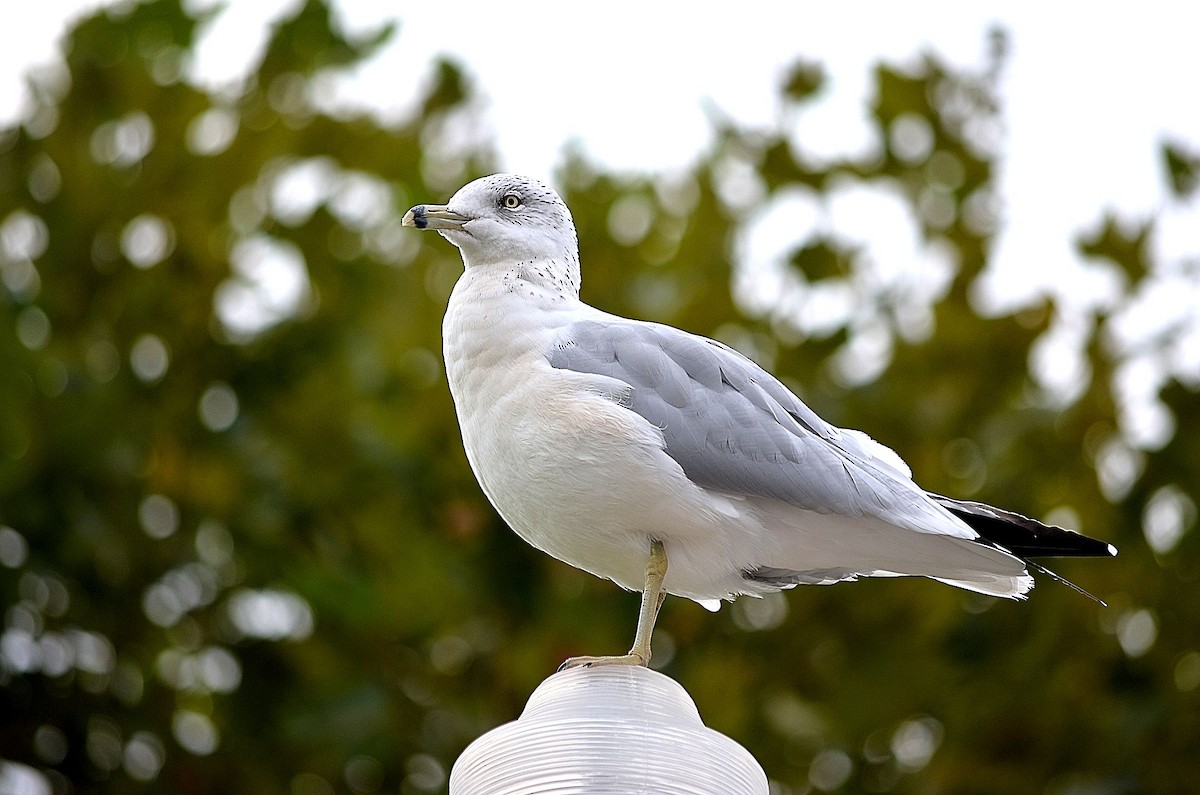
241,550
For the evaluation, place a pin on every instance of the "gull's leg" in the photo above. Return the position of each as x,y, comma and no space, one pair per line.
653,596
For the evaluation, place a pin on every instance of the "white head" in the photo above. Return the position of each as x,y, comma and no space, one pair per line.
507,219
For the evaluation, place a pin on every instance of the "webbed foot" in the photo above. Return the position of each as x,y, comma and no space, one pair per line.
592,662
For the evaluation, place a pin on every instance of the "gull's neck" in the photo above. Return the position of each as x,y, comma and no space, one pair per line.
542,279
499,319
498,305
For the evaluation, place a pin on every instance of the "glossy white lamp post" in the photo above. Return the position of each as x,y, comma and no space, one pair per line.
609,730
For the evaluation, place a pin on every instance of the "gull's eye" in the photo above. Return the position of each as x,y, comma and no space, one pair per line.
511,201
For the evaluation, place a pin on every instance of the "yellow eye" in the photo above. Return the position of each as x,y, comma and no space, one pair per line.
512,201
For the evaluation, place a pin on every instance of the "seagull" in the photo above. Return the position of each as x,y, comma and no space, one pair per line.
619,445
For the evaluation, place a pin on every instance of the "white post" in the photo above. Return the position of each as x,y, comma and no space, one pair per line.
608,730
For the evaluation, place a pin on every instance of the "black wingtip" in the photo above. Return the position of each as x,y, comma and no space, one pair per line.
1022,536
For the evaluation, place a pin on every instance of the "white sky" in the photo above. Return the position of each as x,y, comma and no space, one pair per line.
630,82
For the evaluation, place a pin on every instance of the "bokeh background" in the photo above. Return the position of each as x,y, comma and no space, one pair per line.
240,547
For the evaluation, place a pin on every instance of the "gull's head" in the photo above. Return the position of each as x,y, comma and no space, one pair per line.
503,218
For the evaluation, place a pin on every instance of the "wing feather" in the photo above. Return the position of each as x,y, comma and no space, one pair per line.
735,428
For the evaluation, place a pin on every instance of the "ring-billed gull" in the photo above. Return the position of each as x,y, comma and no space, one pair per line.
618,445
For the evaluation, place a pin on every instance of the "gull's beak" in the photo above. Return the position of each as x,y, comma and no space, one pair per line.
434,216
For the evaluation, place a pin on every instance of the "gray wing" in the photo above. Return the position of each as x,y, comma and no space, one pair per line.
734,428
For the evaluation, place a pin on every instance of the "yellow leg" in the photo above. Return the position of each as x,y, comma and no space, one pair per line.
653,596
